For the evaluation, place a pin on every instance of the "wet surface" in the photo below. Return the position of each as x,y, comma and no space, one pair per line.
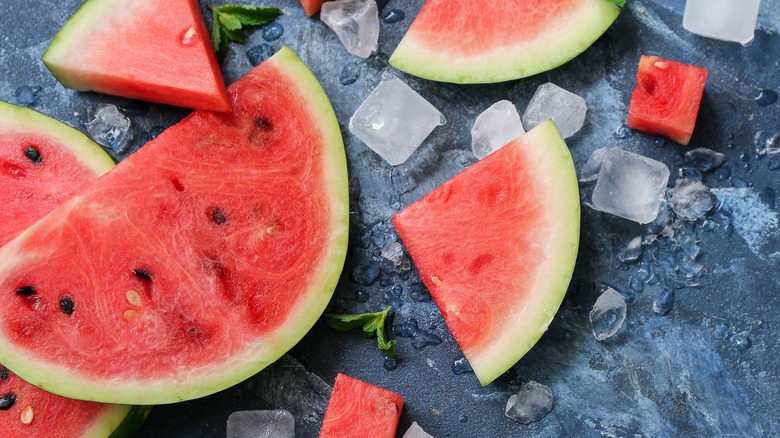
697,354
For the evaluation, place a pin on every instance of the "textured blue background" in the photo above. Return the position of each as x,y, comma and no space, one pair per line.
709,367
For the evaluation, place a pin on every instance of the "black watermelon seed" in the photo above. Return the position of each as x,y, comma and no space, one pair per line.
140,273
33,154
66,304
25,290
218,216
4,373
7,400
263,123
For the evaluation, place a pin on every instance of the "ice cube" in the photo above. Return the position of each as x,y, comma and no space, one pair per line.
691,199
261,424
630,186
632,251
590,171
109,127
495,127
531,403
356,23
728,20
415,431
704,159
608,314
394,252
394,120
565,108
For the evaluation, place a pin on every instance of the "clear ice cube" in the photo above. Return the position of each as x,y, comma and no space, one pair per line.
394,120
495,127
415,431
565,108
704,159
109,127
590,171
531,403
691,199
356,23
608,314
630,186
727,20
261,424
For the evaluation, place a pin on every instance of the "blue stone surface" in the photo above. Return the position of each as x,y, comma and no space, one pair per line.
709,366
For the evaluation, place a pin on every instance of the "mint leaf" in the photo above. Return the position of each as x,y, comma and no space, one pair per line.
372,323
619,3
230,19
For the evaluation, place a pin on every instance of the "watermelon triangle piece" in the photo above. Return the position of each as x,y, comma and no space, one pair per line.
358,409
496,247
485,41
154,50
195,262
44,163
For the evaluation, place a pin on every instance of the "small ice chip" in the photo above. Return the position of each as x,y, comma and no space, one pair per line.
565,108
394,252
356,23
727,20
261,424
415,431
495,127
608,314
704,159
394,120
109,127
531,403
691,199
630,186
632,251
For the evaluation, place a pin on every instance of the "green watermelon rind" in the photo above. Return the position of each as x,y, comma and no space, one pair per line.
20,120
556,165
63,380
129,425
508,63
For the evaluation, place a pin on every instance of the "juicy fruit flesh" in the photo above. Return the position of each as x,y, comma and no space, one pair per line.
311,7
158,51
188,252
666,98
499,268
359,409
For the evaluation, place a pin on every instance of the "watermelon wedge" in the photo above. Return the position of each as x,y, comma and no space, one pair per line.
496,247
358,409
484,41
155,50
44,163
195,262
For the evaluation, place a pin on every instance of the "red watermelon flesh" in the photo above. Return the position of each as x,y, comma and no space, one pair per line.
196,262
496,247
155,50
666,98
358,409
311,7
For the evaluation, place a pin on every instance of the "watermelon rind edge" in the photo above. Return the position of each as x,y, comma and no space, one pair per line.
17,119
507,63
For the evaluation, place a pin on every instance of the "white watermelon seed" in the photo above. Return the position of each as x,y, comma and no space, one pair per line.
130,314
133,297
187,38
27,414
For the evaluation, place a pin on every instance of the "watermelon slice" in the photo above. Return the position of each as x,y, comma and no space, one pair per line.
44,163
155,50
358,409
311,7
194,263
496,247
666,99
483,41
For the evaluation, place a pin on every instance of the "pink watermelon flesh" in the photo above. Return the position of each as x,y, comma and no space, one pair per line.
193,264
44,163
153,50
496,247
358,409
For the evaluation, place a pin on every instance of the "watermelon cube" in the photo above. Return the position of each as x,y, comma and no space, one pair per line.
666,98
359,409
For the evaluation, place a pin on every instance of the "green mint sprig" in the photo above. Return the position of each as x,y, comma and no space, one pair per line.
372,323
229,20
619,3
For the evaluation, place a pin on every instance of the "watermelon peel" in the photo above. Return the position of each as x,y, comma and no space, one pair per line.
499,269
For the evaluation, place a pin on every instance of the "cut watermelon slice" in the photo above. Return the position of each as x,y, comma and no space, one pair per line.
487,41
358,409
196,262
666,99
311,7
496,247
44,163
153,50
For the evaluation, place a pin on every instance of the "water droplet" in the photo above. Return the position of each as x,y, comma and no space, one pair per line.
27,94
350,73
393,16
659,142
362,296
463,419
272,31
766,97
774,163
742,342
739,183
390,364
259,53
